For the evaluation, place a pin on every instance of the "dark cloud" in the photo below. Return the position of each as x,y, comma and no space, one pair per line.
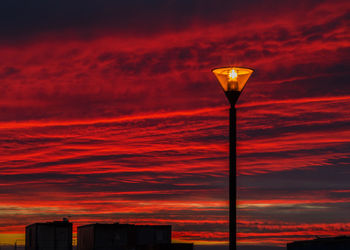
333,177
9,71
322,30
28,19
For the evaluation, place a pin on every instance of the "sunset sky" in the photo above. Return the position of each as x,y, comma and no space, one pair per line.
109,112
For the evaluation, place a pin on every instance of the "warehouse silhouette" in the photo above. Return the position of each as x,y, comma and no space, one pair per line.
57,235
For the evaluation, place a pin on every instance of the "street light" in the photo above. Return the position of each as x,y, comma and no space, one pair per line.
232,80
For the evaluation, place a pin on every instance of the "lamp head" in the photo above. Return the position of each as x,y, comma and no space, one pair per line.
232,80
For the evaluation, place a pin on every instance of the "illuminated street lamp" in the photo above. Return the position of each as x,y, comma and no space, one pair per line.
232,80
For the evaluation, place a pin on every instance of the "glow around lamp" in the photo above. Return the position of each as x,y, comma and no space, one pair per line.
232,80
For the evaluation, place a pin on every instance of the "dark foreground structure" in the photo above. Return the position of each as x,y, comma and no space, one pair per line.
336,243
127,237
55,235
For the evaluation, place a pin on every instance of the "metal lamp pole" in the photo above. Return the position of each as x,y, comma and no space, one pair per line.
233,174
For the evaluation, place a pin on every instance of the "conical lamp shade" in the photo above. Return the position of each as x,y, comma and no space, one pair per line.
232,78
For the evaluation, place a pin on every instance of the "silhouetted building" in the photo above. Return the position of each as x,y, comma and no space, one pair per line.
127,237
336,243
55,235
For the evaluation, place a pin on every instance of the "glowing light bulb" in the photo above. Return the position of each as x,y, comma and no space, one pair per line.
233,75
